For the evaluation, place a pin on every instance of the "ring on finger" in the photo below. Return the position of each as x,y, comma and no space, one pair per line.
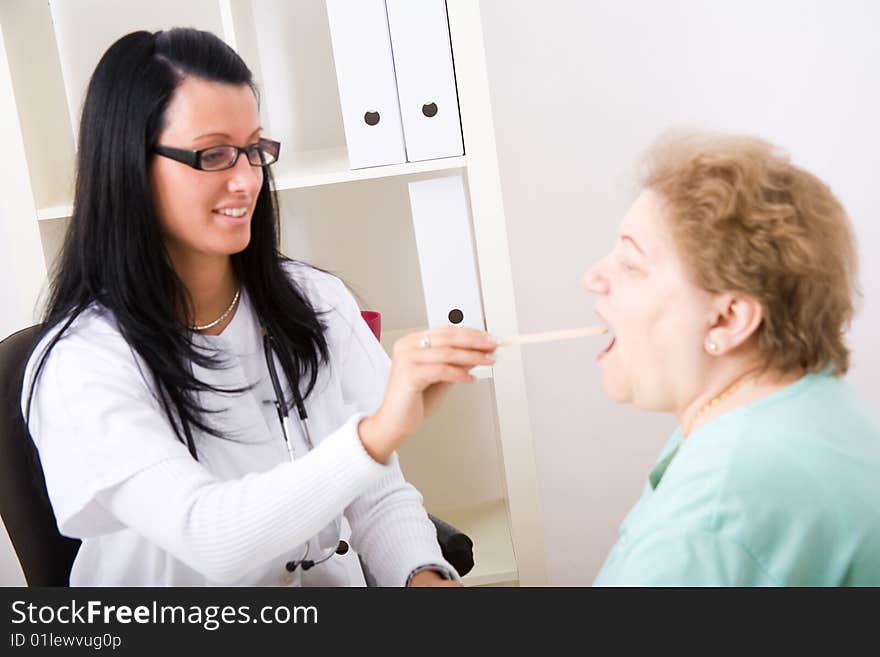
425,342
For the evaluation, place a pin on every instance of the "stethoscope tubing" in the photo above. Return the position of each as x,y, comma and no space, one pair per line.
284,418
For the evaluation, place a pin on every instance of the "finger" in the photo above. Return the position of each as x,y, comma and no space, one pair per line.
451,336
452,356
428,375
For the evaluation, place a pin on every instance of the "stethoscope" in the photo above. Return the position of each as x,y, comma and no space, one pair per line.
284,418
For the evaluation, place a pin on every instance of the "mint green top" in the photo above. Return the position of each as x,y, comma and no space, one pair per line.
783,491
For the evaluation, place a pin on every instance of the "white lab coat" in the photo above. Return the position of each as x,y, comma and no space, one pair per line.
96,422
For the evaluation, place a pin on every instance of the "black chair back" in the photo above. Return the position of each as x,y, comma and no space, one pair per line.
45,555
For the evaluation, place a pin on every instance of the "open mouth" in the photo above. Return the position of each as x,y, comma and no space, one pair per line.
607,350
610,330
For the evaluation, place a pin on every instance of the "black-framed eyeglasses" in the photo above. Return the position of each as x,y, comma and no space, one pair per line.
218,158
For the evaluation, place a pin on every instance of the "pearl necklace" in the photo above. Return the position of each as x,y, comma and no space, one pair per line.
724,394
205,327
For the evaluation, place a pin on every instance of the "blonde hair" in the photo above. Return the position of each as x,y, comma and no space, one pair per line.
746,219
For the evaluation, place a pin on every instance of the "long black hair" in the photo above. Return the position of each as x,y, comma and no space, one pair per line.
114,254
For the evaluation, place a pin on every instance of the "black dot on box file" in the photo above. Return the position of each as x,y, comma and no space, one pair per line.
455,316
429,109
371,118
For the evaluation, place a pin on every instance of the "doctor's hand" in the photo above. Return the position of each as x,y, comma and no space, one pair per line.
424,366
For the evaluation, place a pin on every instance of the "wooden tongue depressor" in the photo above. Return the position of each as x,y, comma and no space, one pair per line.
549,336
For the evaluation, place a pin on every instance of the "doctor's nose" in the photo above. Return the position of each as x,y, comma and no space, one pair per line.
595,280
244,177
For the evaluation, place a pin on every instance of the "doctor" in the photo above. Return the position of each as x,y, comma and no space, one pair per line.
206,411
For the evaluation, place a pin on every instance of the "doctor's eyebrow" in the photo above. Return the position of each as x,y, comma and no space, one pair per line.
226,136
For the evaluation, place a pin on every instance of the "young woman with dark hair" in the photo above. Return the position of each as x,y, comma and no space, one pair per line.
178,341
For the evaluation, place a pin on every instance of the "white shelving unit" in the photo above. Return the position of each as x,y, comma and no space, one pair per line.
473,461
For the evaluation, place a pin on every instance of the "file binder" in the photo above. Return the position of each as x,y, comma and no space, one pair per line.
425,78
365,76
442,226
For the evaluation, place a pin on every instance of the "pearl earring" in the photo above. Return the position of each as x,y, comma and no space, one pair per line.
712,347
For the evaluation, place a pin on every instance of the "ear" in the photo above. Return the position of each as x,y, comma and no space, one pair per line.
735,318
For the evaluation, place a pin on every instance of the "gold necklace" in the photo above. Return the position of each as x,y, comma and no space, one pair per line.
724,394
205,327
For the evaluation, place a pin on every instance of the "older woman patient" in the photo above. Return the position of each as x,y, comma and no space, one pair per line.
728,294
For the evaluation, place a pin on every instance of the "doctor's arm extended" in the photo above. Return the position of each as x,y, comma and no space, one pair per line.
390,527
111,460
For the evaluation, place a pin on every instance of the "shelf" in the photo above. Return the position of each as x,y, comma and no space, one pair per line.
55,212
327,167
486,525
390,337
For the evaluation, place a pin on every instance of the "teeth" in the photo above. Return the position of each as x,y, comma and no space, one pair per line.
232,212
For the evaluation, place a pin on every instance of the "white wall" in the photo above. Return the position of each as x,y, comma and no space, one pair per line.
19,235
579,89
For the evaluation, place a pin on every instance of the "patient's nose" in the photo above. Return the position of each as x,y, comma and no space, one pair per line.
594,279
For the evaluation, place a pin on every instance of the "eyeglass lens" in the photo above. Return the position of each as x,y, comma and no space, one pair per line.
221,157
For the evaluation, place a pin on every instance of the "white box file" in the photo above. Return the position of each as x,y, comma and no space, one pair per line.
367,89
425,78
442,225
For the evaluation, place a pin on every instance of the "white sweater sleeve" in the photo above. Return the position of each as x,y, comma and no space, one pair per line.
392,532
224,529
390,527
